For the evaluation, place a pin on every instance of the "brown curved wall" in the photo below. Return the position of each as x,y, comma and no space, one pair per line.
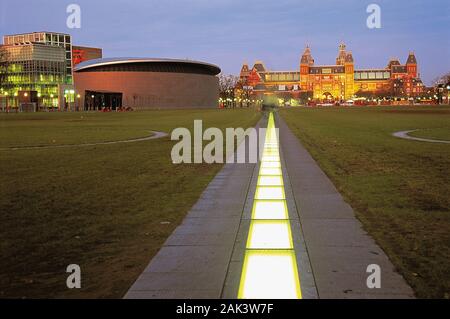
153,89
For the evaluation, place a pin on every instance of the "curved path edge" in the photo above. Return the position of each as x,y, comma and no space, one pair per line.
155,135
405,135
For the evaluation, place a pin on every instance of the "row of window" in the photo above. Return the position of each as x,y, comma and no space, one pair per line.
284,76
325,70
42,37
372,75
34,78
34,66
271,77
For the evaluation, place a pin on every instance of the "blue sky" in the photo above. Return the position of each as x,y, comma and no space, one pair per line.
229,32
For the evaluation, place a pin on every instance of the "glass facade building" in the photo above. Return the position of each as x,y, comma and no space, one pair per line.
39,61
49,38
33,67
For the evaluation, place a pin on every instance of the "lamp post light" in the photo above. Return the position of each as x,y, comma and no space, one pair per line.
78,102
448,93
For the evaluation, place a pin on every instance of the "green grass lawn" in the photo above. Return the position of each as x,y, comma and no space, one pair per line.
398,188
107,208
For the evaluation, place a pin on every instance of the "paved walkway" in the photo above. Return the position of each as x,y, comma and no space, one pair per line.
405,135
203,257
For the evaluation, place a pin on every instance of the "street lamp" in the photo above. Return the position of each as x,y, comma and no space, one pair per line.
78,102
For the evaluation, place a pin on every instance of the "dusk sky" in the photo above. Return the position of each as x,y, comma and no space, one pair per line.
229,32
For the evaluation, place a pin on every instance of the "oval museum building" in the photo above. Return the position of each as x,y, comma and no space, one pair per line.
146,84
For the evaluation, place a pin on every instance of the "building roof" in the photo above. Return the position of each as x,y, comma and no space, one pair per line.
393,62
92,65
349,57
34,32
411,59
259,66
399,69
307,57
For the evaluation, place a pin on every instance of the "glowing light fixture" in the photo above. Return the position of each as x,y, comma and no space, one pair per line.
270,171
271,164
271,158
270,274
270,192
270,234
270,209
270,181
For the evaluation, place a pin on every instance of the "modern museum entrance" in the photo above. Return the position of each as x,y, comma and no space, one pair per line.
102,100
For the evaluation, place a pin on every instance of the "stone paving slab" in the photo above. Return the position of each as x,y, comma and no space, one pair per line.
338,247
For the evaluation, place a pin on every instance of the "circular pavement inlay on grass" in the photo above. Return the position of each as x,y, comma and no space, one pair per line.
405,135
155,135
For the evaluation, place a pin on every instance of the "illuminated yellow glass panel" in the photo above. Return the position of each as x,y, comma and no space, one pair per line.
272,158
269,274
271,164
271,153
270,181
270,171
269,192
270,209
270,234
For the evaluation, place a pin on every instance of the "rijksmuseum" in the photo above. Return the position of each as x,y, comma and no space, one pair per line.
340,81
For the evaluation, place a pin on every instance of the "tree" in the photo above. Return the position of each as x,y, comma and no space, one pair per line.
244,91
227,85
443,79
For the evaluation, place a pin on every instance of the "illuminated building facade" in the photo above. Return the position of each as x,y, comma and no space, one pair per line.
33,67
40,62
48,38
340,81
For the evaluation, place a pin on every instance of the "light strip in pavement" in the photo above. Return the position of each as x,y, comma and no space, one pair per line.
270,267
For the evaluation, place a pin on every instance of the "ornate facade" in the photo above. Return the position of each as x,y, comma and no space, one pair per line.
340,81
